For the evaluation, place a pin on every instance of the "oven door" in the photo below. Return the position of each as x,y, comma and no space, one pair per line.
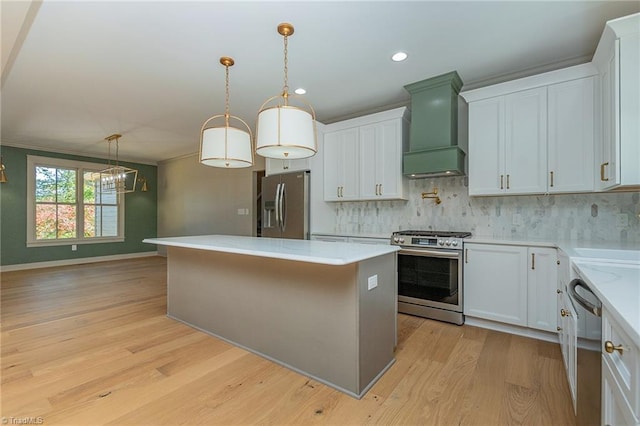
430,278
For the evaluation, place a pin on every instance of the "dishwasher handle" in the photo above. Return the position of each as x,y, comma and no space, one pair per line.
595,310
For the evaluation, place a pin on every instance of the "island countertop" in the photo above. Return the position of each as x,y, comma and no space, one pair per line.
327,253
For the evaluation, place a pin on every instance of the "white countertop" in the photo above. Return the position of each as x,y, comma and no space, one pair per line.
328,253
617,285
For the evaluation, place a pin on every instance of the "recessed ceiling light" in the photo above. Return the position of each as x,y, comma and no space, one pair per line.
300,91
399,56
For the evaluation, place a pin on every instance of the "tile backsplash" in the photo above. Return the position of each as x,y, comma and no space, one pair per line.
611,216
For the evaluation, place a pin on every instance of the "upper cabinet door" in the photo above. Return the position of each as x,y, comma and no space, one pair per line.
486,147
571,136
341,165
526,141
381,161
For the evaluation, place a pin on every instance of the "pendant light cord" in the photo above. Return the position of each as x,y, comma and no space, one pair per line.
285,89
226,99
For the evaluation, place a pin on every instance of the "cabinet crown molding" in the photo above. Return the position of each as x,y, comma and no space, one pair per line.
545,79
402,112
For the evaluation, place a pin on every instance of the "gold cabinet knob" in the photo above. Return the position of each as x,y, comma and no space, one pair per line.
565,313
609,347
559,291
559,328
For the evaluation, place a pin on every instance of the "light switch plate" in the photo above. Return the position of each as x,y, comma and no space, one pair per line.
372,282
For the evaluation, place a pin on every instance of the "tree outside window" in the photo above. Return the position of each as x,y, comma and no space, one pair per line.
69,204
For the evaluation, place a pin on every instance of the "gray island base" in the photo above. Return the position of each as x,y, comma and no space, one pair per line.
335,323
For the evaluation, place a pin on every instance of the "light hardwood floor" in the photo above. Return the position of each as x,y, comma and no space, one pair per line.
90,344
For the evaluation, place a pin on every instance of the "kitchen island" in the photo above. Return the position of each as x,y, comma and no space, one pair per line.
326,310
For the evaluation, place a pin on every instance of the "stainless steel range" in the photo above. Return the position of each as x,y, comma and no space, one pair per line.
430,274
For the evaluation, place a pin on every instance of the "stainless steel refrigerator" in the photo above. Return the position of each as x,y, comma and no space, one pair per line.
285,205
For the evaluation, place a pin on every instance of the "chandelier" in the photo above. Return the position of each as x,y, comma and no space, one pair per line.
117,178
222,145
283,130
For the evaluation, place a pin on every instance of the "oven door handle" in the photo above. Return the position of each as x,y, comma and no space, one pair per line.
431,253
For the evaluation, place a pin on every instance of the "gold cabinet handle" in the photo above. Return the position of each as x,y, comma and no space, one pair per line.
338,191
609,347
602,166
565,313
501,181
507,181
380,189
466,255
533,261
342,191
377,189
551,179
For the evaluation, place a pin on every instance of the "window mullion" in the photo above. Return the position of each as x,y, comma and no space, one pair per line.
80,204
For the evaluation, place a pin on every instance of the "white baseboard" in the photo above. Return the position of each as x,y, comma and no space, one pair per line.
78,261
513,329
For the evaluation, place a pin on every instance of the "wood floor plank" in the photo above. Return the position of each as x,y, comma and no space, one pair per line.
91,344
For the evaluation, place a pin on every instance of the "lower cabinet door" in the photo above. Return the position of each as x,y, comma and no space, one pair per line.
542,283
615,410
495,283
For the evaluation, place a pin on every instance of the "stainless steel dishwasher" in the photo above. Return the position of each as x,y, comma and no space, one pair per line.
589,375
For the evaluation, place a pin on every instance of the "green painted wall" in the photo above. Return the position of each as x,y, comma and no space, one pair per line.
140,214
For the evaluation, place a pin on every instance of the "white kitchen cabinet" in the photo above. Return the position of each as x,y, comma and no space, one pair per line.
542,285
495,283
533,135
568,344
275,166
350,239
615,410
381,147
330,238
341,173
511,284
617,58
486,146
363,157
571,112
621,396
368,240
567,326
507,144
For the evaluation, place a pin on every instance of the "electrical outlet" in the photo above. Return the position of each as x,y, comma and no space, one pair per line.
622,220
74,247
372,282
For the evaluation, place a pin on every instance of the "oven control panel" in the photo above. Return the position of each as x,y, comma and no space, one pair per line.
451,243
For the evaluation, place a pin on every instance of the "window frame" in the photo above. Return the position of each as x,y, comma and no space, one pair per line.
80,167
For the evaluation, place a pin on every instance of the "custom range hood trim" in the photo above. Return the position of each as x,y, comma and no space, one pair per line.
433,144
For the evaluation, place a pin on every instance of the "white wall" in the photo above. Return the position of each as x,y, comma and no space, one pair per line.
194,199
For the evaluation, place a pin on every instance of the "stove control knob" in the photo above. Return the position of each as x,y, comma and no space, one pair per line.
440,242
401,240
396,239
454,243
448,243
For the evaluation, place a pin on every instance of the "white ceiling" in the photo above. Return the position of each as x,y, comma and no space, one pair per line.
149,69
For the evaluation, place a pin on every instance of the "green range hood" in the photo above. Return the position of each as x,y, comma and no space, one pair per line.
433,141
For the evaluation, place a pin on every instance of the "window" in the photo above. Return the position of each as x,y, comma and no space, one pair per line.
67,204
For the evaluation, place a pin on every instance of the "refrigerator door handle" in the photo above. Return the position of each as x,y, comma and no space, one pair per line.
283,207
277,203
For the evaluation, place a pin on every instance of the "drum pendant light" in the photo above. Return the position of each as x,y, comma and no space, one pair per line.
283,130
222,145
